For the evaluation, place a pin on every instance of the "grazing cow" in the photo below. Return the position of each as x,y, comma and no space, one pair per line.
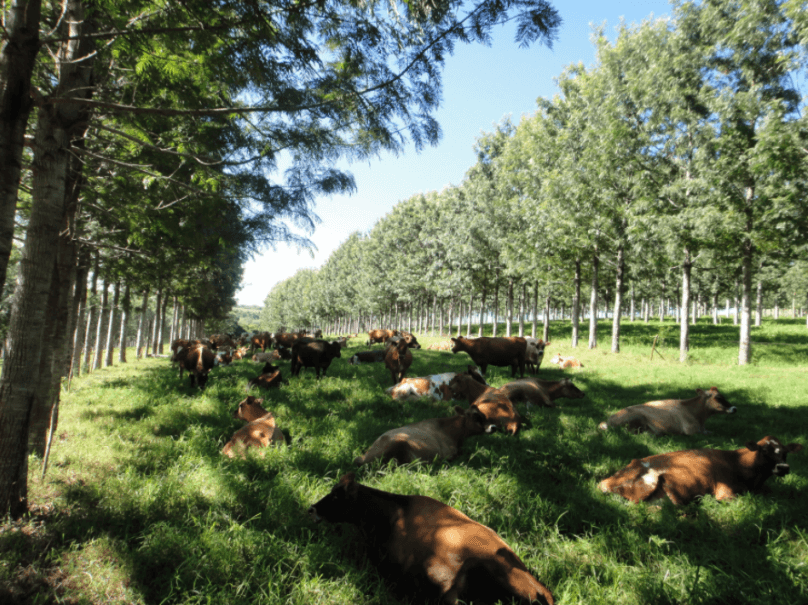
428,439
685,475
315,354
269,378
435,386
412,342
367,357
425,543
380,336
397,358
495,351
677,416
198,360
534,353
566,362
261,429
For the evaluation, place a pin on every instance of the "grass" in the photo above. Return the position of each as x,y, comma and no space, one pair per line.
139,506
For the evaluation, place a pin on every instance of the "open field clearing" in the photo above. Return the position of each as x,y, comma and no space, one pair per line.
139,505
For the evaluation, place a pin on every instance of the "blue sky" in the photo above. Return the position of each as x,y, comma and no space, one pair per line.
481,85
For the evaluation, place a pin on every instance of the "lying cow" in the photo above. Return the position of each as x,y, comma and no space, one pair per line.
269,378
266,356
376,356
397,358
685,475
566,362
380,336
497,407
676,416
261,429
435,386
315,354
431,545
495,351
428,439
542,393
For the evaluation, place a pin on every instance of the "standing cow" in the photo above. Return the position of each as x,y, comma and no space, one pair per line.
495,351
315,354
397,358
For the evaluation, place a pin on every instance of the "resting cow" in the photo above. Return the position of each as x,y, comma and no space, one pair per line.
566,362
261,429
315,354
435,386
543,393
376,356
425,543
428,439
269,378
685,475
397,358
495,351
676,416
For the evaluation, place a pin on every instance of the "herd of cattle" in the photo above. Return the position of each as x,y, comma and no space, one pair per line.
430,543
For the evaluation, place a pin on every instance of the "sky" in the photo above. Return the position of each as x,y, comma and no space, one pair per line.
481,86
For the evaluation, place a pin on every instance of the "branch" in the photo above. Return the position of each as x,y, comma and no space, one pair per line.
99,245
159,149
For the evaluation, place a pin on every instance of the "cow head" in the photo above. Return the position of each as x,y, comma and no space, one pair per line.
570,391
458,345
475,421
772,454
340,504
250,408
715,402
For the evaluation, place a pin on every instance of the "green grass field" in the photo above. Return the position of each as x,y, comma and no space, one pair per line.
139,506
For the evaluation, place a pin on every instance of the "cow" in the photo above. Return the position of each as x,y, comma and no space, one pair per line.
261,340
435,386
218,341
397,358
464,386
285,339
534,353
543,393
422,542
198,360
675,416
566,362
367,357
315,354
343,342
239,353
380,336
261,429
269,378
427,439
495,351
267,356
685,475
412,342
495,405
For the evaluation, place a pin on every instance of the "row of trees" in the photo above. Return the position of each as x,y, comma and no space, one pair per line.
672,170
170,141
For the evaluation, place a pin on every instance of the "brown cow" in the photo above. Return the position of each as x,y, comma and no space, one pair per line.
685,475
261,429
315,354
566,362
427,439
376,356
269,378
495,405
397,358
285,339
412,342
435,386
495,351
431,545
676,416
380,336
198,360
543,393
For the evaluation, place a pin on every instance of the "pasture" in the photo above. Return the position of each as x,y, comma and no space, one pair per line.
139,506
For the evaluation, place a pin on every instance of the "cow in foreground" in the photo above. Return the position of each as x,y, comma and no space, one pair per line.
428,439
495,351
261,429
397,358
435,386
315,354
685,475
420,541
676,416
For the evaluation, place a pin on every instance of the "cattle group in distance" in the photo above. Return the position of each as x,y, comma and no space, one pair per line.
448,555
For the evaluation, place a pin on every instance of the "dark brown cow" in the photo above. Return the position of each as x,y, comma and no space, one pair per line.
361,357
412,342
269,378
198,360
425,543
315,354
685,475
380,336
495,351
397,358
261,429
285,339
261,340
676,416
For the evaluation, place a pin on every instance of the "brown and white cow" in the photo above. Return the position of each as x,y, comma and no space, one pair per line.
261,429
427,439
412,342
269,378
361,357
397,358
676,416
534,353
685,475
380,336
435,386
316,354
495,351
432,546
198,360
565,363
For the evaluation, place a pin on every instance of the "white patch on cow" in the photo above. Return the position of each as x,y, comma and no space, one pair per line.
651,477
777,450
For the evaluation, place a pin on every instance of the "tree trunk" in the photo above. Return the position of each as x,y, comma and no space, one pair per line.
618,300
93,309
593,304
632,304
80,304
759,304
684,328
509,309
125,310
522,300
156,322
141,326
747,251
99,333
482,312
471,307
110,345
496,304
546,327
17,60
576,302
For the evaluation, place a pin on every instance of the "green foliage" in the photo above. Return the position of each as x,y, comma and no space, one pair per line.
146,510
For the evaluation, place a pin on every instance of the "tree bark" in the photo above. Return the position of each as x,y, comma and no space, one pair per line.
618,299
684,327
110,345
482,312
747,252
98,347
156,322
509,310
593,304
759,304
126,307
576,302
141,326
81,311
93,308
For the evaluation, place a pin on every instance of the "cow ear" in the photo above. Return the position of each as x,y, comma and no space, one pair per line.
458,410
794,447
258,400
453,339
699,392
752,446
